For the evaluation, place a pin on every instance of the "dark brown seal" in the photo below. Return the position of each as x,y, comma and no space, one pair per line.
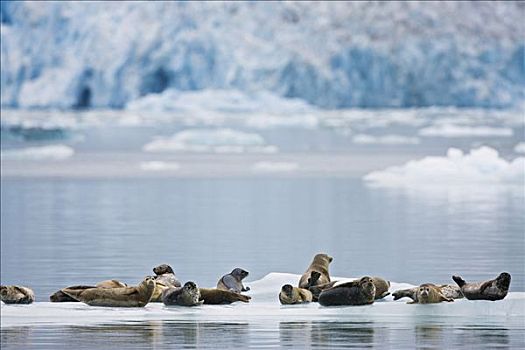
359,292
493,290
214,296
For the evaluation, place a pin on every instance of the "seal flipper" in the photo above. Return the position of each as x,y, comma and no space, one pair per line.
314,277
460,281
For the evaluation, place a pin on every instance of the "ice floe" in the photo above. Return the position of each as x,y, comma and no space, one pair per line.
264,306
451,130
221,140
49,152
520,147
385,139
481,165
159,166
274,167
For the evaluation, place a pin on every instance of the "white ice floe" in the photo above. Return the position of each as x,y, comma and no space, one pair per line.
211,140
451,130
265,307
482,165
520,147
385,139
159,166
50,152
274,167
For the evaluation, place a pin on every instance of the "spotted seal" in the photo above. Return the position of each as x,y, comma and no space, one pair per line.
359,292
137,296
233,281
187,295
294,295
16,295
495,289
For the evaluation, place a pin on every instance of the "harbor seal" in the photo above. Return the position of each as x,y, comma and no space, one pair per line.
166,276
493,290
359,292
233,281
110,284
382,286
294,295
187,295
16,295
428,293
61,297
137,296
447,290
317,273
214,296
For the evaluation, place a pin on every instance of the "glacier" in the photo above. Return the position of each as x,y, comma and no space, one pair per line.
331,55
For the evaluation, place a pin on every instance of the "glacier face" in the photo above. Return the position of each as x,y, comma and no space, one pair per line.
333,55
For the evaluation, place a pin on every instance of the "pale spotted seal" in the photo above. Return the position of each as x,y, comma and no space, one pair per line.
317,273
233,281
16,295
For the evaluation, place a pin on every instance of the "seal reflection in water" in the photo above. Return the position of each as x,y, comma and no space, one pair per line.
293,295
16,295
492,290
360,292
137,296
233,281
188,295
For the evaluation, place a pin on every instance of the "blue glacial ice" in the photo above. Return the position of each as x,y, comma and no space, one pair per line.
332,55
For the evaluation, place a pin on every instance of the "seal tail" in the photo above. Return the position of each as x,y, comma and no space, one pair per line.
460,281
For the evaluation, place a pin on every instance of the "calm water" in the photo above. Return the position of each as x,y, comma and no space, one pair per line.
95,216
59,232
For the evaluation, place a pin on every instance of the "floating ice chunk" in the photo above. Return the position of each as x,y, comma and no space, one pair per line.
274,167
451,130
265,305
482,165
159,166
51,152
520,147
385,140
265,121
211,140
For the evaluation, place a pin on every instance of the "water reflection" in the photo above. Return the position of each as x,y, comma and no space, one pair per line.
445,334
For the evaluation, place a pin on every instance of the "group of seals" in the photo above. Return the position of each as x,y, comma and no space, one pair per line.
315,284
165,287
495,289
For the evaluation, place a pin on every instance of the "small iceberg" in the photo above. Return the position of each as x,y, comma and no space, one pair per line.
481,165
50,152
451,130
221,140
